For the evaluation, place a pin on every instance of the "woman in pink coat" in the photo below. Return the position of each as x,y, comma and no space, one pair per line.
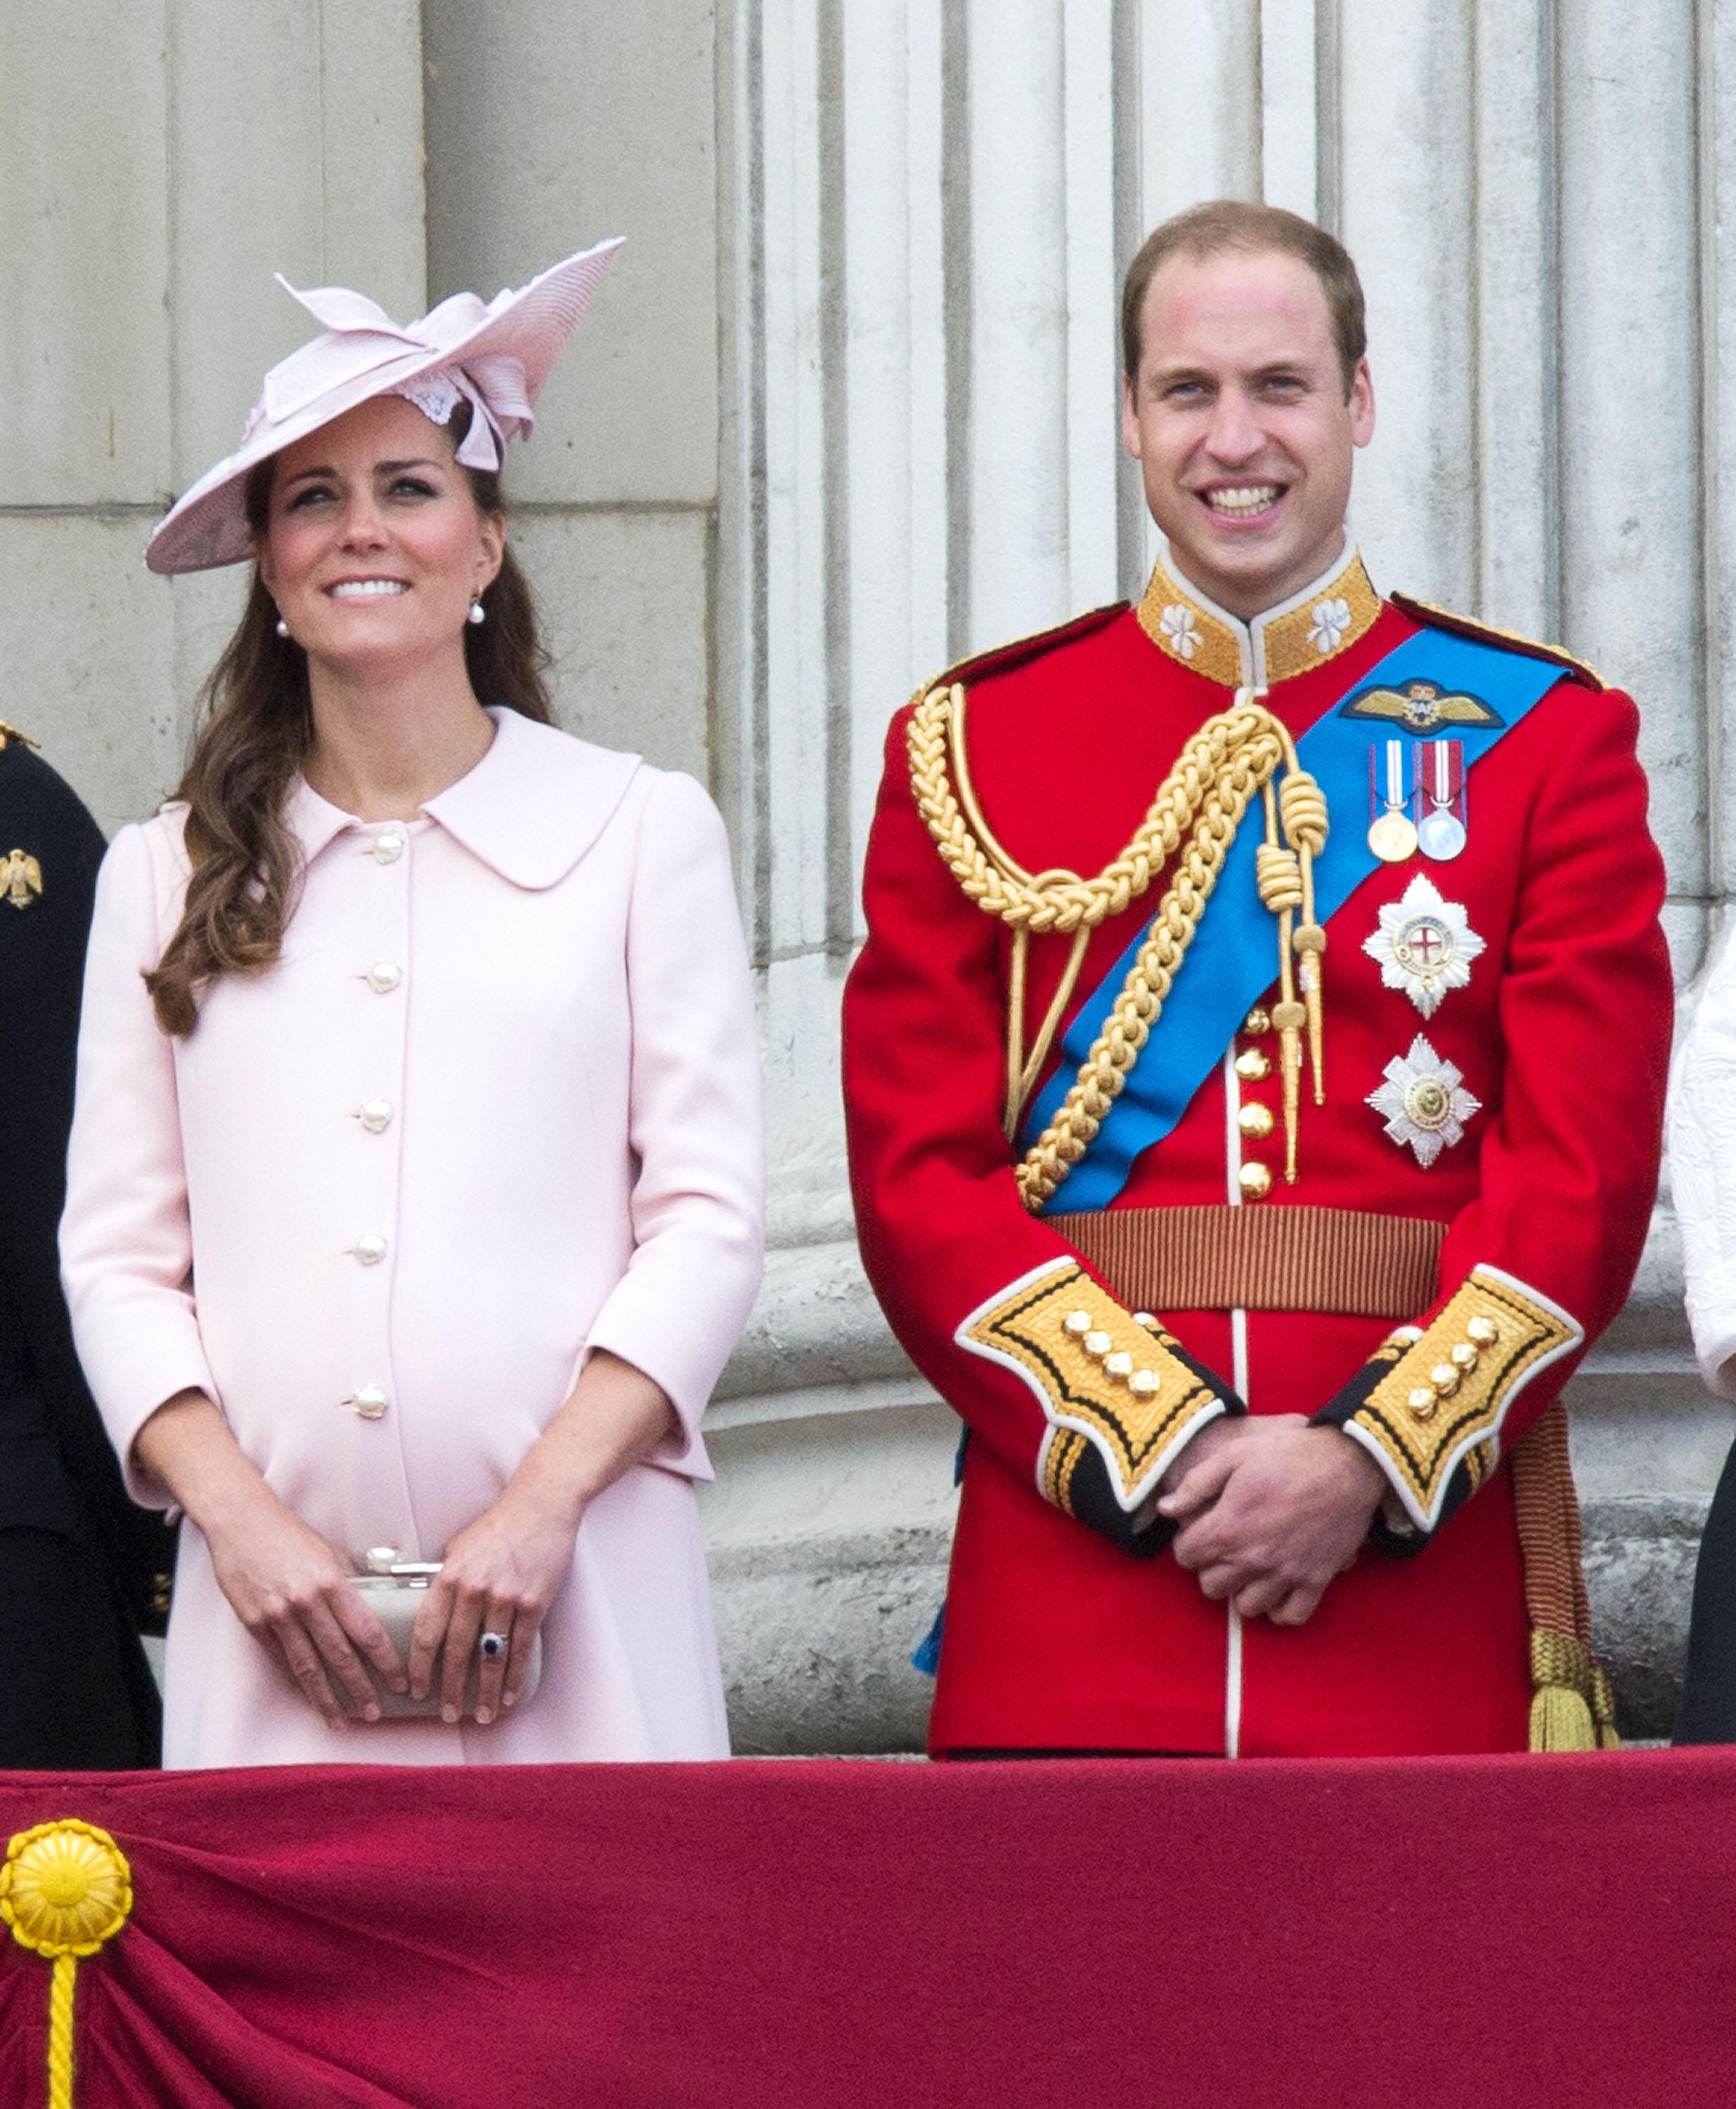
414,1199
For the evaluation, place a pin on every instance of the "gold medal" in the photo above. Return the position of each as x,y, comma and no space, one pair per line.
1393,837
1392,834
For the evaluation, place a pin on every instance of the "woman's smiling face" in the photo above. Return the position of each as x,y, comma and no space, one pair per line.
374,547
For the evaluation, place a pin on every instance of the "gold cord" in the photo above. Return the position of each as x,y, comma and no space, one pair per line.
1051,1025
1015,1033
1230,759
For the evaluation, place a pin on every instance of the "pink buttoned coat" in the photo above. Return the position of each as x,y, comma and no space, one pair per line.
497,1105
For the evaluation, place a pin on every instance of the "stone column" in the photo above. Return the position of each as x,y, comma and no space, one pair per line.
551,124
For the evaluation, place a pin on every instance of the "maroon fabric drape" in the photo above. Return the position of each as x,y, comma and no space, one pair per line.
1429,1932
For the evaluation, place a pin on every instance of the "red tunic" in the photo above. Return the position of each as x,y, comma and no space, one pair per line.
1055,1636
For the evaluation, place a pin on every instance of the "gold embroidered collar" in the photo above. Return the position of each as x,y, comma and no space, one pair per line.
1303,632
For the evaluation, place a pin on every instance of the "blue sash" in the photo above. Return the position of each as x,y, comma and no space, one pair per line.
1230,961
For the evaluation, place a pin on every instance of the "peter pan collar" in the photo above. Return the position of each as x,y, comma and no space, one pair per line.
531,808
535,802
1300,634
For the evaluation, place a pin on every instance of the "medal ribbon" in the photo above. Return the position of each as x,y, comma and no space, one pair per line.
1446,771
1229,965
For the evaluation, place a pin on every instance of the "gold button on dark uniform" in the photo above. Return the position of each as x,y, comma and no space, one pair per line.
1254,1180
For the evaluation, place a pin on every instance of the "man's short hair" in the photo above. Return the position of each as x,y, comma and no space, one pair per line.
1231,224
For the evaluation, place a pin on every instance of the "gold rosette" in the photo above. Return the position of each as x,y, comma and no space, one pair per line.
65,1888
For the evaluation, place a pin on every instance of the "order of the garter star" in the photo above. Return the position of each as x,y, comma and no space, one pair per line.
1424,946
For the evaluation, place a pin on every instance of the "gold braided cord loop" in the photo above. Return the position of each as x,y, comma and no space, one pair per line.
1121,1042
1232,759
1191,825
1059,900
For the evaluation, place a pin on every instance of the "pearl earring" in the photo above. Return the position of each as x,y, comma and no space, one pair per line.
282,627
477,613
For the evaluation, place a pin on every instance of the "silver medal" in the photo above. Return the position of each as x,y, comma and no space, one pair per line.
1441,835
1440,832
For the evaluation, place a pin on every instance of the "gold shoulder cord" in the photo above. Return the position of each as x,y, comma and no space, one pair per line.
1232,758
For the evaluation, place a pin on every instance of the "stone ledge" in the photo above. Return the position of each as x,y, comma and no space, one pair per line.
817,1634
1639,1563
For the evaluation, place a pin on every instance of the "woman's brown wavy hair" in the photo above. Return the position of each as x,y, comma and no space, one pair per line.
255,729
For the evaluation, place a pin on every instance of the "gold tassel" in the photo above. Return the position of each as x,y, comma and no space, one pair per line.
1562,1681
1603,1708
1573,1708
1561,1720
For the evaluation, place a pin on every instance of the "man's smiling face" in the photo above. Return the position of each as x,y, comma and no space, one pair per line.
1241,425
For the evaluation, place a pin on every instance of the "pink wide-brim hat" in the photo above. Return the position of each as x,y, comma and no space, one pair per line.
496,356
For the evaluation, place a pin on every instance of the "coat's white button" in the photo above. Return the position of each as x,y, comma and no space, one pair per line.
370,1248
377,1113
389,847
369,1401
383,977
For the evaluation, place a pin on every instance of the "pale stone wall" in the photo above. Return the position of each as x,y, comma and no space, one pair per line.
844,408
410,151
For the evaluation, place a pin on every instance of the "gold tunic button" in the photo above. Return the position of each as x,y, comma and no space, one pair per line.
1119,1364
1253,1067
1444,1378
1464,1357
1097,1344
1255,1121
1255,1023
1144,1318
369,1401
1484,1331
1078,1323
1422,1403
1143,1384
1254,1180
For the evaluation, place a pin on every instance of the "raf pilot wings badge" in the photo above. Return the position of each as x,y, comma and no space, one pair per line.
20,878
1420,708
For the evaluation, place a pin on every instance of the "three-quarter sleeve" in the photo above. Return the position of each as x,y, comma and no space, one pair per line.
1702,1173
695,1120
126,1245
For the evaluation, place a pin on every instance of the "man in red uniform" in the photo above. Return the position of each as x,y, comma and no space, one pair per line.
1255,1076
